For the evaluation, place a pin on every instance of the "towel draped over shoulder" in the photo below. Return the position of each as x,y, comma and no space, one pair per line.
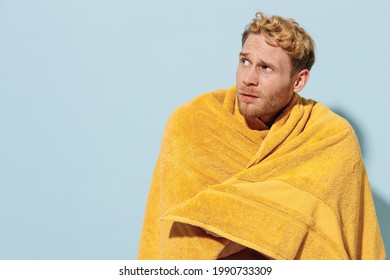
296,191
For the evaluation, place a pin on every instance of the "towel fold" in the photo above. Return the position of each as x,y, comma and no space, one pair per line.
296,191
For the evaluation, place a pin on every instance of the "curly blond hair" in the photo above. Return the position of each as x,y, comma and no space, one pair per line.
287,34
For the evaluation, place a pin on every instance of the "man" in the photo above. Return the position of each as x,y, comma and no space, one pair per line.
256,171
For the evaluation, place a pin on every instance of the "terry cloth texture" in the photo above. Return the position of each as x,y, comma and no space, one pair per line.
296,191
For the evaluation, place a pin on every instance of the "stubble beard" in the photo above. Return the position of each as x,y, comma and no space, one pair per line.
248,110
257,110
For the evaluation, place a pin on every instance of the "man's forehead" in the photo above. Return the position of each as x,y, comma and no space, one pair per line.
256,47
257,43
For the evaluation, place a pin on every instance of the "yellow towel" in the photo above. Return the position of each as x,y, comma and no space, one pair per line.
297,191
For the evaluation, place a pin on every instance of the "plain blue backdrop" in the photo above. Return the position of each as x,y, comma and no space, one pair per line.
87,86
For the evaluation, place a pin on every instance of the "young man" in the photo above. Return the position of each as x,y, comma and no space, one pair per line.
256,171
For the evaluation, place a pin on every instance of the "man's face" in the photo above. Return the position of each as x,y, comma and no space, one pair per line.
264,82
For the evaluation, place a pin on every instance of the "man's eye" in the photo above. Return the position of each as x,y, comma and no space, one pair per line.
267,68
245,61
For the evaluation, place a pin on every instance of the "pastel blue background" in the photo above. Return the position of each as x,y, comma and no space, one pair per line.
87,86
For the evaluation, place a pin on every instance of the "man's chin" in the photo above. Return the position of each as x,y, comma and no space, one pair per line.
247,110
248,114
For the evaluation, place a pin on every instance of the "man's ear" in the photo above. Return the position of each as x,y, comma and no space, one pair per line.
301,79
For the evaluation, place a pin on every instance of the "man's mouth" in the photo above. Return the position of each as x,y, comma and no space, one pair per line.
248,97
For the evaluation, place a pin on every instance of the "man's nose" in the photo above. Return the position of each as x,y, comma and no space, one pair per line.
251,78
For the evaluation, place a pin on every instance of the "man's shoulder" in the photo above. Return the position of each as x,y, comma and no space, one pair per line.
204,99
326,119
323,111
195,113
204,102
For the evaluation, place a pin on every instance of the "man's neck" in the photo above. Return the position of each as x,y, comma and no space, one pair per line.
256,124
